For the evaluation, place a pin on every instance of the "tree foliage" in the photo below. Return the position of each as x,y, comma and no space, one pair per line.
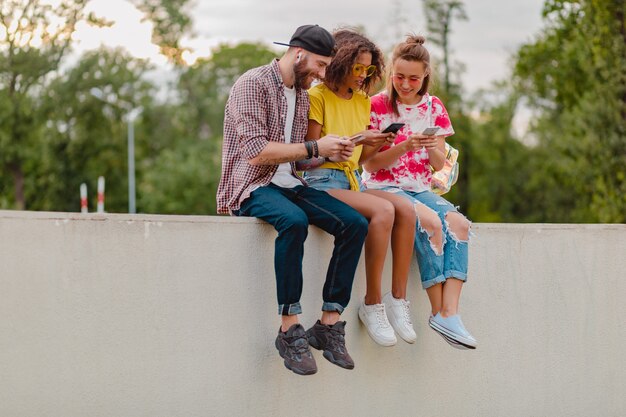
575,76
440,16
35,37
54,134
440,19
183,177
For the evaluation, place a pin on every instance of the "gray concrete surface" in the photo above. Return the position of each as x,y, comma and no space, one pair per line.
124,316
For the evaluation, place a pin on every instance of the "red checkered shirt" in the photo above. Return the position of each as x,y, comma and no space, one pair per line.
255,114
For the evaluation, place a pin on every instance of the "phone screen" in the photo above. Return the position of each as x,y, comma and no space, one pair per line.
393,128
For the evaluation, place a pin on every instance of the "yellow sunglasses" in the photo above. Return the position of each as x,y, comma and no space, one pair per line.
358,69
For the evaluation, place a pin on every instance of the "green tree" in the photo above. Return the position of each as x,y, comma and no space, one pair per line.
182,175
440,15
86,137
34,39
500,161
204,87
574,75
171,20
30,49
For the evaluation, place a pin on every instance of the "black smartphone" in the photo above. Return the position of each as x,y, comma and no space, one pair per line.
393,128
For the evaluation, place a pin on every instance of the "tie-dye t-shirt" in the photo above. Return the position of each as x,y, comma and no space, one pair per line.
412,170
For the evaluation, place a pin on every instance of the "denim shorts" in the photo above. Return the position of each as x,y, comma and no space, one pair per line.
325,179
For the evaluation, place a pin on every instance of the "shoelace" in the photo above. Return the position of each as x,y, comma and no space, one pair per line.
406,312
381,317
336,340
292,344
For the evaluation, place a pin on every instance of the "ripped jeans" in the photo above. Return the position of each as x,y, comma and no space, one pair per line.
436,265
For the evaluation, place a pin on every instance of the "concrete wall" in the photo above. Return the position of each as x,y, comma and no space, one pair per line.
118,315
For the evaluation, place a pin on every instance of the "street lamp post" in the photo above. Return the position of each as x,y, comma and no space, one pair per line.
131,116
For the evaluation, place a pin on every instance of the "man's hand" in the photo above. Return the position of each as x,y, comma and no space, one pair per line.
376,138
336,148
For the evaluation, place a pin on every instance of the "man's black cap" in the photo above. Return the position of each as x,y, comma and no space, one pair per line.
314,39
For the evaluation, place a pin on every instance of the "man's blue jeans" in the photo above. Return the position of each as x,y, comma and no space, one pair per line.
290,211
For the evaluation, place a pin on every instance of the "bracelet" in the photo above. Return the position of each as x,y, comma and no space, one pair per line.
309,149
316,150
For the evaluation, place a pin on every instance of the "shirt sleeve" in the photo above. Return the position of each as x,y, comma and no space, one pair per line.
316,111
249,112
441,117
375,112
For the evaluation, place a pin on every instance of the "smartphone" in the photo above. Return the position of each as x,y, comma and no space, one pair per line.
393,128
430,131
358,138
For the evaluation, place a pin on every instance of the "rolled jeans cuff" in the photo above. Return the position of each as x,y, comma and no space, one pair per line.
332,307
289,309
434,281
451,273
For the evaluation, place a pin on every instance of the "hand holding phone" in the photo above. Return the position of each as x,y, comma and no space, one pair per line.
393,128
430,131
358,138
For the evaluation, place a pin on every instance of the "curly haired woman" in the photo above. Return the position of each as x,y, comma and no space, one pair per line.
341,106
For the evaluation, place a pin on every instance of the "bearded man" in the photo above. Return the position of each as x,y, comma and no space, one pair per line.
265,124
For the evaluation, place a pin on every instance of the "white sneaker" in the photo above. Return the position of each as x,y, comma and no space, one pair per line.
400,317
375,320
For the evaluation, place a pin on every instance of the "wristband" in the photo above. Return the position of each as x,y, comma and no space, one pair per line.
316,150
309,149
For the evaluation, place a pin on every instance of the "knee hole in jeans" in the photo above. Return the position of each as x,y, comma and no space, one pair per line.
429,223
458,226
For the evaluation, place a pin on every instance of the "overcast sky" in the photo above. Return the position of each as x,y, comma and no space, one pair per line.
484,43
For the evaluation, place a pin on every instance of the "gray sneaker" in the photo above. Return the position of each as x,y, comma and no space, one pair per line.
331,339
293,347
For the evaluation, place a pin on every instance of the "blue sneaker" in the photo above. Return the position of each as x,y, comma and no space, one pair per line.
453,328
451,342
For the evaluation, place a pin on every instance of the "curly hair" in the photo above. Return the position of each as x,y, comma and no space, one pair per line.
412,49
350,44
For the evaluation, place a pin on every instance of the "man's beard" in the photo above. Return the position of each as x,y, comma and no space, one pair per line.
302,74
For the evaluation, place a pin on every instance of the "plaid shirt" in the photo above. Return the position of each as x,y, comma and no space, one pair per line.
255,114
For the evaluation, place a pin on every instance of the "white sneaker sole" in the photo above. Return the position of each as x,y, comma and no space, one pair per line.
456,337
409,339
385,343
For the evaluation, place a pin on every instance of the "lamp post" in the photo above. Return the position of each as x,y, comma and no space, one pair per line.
131,116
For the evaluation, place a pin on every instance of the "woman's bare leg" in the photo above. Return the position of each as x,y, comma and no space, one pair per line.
402,237
380,214
459,227
429,220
